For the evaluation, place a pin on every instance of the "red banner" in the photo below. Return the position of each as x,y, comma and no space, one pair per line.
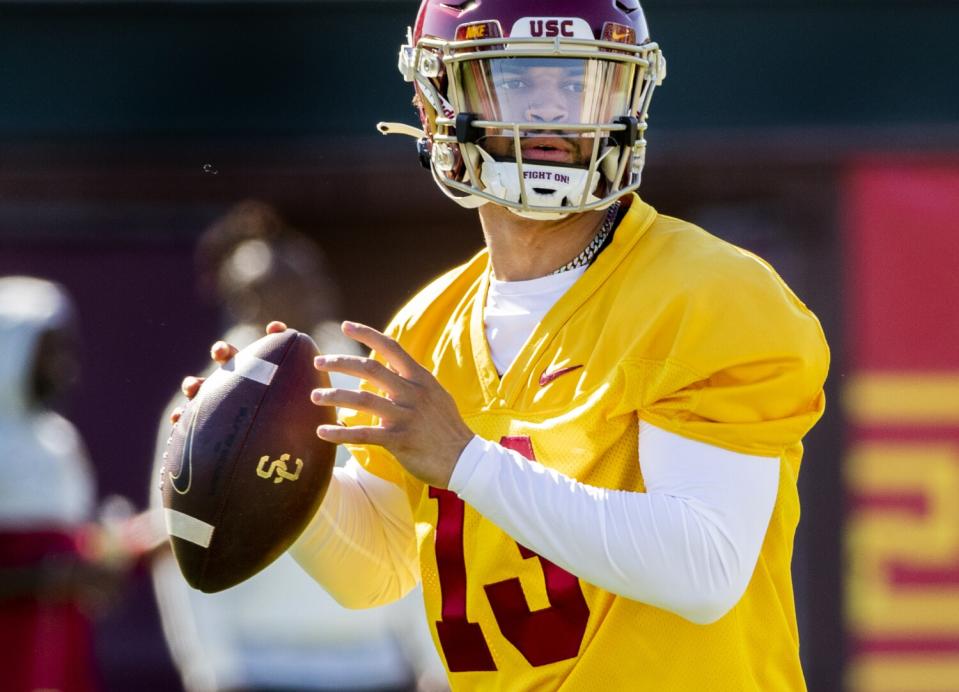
901,398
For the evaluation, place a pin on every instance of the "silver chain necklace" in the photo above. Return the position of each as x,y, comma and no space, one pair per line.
589,252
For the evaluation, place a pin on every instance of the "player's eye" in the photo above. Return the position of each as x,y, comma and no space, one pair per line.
511,83
575,87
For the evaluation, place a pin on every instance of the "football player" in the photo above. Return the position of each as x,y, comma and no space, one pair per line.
583,442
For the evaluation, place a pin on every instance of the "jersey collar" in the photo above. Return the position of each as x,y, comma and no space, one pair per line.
503,392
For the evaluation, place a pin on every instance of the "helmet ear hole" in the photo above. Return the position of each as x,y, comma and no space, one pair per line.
424,152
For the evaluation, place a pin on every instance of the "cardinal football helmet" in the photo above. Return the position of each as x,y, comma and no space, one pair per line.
536,106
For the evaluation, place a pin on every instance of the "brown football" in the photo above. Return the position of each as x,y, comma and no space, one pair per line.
244,471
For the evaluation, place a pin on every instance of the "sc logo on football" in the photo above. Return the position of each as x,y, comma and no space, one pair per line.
278,469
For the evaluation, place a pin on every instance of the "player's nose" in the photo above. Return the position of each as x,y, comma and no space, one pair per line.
546,108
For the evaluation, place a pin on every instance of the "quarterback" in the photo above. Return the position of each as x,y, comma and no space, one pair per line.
583,442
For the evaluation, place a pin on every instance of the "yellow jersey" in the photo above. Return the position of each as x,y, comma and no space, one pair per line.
669,325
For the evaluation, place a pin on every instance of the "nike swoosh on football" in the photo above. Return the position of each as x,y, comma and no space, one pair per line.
548,377
186,463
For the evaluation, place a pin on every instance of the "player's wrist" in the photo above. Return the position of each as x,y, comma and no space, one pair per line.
446,468
470,458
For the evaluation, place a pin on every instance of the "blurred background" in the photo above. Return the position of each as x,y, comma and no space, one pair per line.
821,134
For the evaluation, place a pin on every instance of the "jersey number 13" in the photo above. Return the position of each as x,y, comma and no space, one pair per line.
542,636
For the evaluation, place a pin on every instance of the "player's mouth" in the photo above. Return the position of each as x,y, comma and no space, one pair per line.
551,149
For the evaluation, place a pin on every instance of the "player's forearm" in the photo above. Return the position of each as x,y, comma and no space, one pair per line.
688,550
361,545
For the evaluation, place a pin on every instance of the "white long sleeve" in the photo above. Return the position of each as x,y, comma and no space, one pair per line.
689,544
361,545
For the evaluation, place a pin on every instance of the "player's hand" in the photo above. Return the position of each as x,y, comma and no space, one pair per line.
419,422
221,352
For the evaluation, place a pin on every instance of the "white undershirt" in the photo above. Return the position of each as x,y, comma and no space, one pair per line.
514,308
689,544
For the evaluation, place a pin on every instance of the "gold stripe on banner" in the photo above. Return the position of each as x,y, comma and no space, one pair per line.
924,541
904,673
916,399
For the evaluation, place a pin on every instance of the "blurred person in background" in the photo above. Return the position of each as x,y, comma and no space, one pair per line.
278,630
56,566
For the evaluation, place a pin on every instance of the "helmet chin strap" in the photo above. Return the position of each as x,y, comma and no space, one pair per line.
560,187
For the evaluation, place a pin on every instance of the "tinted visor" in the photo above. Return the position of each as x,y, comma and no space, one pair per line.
547,90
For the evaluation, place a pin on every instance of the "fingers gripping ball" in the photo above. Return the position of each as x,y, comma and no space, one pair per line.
244,471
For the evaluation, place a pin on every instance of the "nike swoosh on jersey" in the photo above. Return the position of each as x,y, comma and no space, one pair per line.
186,460
548,377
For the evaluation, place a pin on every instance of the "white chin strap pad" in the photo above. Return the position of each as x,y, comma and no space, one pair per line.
546,186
